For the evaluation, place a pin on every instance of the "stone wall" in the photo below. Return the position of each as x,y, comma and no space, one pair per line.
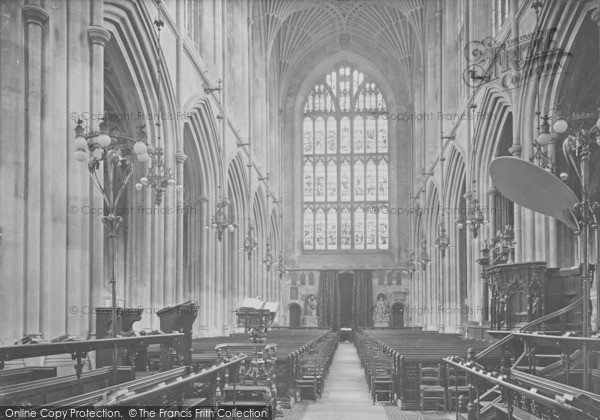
68,59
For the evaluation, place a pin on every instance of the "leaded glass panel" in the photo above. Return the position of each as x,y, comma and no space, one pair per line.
345,164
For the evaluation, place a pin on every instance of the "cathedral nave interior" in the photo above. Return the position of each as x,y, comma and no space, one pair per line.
306,209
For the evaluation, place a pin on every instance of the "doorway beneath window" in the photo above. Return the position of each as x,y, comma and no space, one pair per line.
295,311
346,288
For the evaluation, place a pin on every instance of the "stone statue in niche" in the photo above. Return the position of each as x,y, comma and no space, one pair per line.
381,314
501,312
310,311
536,305
310,306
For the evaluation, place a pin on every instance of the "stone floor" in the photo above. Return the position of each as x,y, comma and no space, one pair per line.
346,395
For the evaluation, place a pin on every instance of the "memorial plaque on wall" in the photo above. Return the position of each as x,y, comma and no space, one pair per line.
293,293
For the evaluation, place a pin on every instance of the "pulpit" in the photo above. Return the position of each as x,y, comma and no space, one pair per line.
179,318
518,293
523,292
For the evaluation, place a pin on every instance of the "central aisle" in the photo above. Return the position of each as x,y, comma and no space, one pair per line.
346,395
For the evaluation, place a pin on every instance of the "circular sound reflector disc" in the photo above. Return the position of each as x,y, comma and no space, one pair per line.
534,188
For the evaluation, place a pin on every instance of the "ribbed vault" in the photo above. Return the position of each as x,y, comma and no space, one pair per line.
293,29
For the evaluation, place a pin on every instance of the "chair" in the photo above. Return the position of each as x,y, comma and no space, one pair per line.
381,377
456,382
310,375
431,387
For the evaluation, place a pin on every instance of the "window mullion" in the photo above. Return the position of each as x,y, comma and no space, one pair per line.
339,182
352,207
377,202
365,212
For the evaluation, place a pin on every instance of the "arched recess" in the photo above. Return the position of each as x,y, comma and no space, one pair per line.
456,176
416,318
397,315
432,215
201,174
493,138
504,209
433,275
127,105
274,231
122,99
494,110
273,286
193,221
201,120
134,33
131,74
294,315
237,187
259,220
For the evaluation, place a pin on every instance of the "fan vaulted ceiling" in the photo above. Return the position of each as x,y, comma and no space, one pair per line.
294,29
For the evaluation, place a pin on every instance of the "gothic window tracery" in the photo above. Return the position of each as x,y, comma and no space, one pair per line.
345,164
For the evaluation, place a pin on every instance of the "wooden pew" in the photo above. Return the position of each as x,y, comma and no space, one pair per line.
99,396
288,341
26,374
411,348
45,391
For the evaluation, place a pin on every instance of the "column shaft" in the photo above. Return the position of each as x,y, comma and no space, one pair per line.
35,17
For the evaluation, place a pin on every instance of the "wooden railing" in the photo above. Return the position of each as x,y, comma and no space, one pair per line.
179,390
559,400
498,344
181,387
45,391
516,387
79,349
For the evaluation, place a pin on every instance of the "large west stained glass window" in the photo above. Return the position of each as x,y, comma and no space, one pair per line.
345,164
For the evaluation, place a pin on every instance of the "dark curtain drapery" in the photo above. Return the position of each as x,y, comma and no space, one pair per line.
329,300
362,303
